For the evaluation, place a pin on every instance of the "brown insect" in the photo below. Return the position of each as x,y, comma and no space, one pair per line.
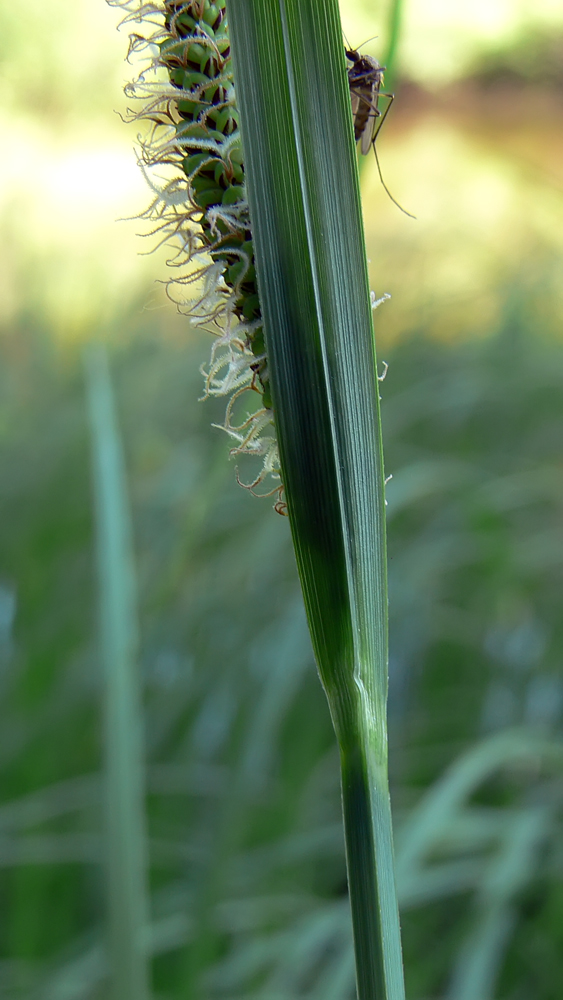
365,78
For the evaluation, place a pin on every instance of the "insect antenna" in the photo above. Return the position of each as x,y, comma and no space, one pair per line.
372,39
348,46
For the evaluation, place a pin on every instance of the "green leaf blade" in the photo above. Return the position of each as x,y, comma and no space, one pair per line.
303,193
307,227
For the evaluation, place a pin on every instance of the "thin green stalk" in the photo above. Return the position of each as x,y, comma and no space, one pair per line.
394,25
126,844
303,194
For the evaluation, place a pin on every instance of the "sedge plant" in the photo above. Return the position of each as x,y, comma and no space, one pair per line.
262,203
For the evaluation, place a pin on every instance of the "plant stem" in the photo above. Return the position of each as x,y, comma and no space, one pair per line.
369,858
303,193
395,20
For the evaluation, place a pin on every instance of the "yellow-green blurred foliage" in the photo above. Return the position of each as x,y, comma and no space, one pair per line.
68,171
473,147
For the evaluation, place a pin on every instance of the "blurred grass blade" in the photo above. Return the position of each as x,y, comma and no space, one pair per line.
480,957
302,186
394,26
77,979
337,981
126,847
435,811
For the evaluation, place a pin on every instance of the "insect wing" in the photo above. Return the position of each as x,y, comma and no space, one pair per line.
355,99
367,134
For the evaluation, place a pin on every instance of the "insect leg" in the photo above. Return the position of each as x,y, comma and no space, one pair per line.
383,116
386,189
391,98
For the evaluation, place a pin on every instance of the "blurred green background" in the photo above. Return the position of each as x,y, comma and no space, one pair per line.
247,877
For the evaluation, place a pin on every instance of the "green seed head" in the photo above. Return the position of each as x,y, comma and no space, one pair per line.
195,130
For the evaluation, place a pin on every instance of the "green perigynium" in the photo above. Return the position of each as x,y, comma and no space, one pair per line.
201,209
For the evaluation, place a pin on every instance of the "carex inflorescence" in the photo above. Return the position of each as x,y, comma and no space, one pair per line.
201,208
